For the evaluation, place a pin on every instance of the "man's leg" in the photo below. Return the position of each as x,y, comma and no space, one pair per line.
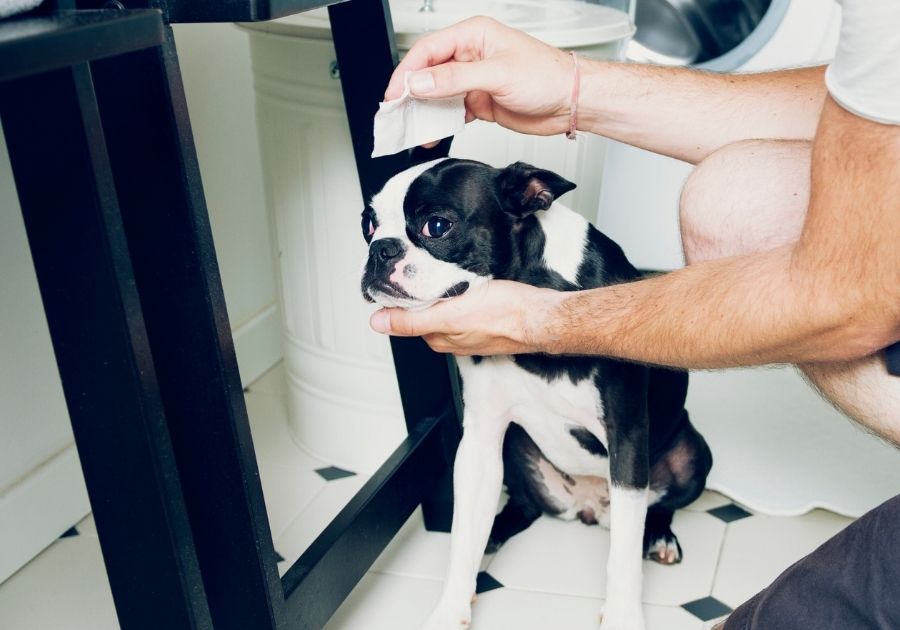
750,197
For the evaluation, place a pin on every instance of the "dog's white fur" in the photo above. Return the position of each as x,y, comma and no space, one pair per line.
497,392
432,277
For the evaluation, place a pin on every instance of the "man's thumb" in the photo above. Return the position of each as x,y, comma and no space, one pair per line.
381,321
397,322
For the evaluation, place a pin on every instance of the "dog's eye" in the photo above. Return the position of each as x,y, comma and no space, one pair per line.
436,227
368,228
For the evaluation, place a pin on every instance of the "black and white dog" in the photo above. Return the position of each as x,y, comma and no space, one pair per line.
574,436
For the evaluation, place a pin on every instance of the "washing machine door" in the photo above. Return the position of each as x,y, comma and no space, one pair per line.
718,35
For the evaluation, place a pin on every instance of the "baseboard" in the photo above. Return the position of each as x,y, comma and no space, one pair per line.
35,511
258,344
52,497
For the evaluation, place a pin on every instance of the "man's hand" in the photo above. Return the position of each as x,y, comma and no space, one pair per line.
507,76
498,317
515,80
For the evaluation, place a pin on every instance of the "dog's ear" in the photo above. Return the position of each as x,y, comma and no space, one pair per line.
420,155
525,189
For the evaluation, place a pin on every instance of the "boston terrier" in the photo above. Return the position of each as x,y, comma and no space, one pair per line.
586,437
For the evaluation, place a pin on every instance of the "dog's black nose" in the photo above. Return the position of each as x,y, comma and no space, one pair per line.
386,248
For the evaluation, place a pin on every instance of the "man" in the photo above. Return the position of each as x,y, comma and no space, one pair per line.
791,230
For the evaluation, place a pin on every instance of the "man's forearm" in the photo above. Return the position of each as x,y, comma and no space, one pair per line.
736,311
688,114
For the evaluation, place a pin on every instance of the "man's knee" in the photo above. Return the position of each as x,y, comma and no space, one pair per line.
747,196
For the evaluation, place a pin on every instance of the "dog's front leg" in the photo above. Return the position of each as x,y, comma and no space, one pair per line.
477,480
629,472
628,508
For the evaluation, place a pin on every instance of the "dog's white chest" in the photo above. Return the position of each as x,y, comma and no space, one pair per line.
497,390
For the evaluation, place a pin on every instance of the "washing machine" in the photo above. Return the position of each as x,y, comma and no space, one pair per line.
639,194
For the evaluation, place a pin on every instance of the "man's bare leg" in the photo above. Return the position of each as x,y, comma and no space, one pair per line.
752,196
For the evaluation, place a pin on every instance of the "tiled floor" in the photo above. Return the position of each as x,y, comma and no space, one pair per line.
550,576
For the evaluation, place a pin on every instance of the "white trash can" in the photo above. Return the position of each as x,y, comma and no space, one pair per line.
343,399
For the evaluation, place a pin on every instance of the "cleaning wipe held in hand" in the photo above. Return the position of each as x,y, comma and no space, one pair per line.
409,121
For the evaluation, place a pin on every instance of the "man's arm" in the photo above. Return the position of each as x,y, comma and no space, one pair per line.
834,295
688,114
523,84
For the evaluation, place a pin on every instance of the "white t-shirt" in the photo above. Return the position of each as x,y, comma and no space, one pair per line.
865,74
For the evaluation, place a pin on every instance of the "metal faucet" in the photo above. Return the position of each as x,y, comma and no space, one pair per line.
427,7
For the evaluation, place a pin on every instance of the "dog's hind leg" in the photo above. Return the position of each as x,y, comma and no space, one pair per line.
477,480
516,516
679,477
660,543
627,426
521,474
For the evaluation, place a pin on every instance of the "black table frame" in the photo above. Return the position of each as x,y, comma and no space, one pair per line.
99,138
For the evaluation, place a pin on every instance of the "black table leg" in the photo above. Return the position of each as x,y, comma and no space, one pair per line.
366,55
145,118
68,201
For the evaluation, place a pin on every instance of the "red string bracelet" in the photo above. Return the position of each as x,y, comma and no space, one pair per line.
573,109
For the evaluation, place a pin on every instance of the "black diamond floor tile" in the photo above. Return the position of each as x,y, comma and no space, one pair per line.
333,472
729,513
706,608
486,582
70,532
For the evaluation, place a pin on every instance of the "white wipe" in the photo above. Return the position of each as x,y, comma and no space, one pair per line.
409,121
11,7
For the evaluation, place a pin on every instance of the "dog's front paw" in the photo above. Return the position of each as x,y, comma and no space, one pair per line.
450,617
622,618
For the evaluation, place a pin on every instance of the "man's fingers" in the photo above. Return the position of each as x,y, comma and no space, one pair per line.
431,50
479,105
460,42
453,78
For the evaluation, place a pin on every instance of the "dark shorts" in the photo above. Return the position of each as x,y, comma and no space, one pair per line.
892,358
851,582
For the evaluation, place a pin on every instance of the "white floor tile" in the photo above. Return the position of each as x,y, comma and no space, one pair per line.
508,608
271,437
63,588
387,602
86,526
415,552
382,602
670,618
757,549
524,610
287,491
707,501
310,522
701,537
553,556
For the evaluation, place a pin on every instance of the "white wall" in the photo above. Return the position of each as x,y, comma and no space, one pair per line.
41,488
215,63
41,491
